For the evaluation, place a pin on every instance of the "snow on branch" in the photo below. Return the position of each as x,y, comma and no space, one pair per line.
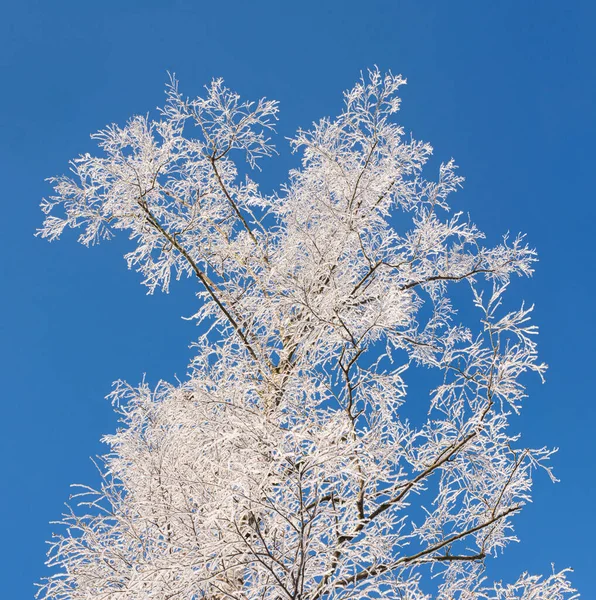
294,462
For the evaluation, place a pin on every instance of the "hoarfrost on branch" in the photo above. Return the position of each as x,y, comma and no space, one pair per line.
287,465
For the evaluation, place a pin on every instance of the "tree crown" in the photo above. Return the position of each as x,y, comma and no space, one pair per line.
288,464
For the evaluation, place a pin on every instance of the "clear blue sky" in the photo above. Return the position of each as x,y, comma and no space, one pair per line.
507,88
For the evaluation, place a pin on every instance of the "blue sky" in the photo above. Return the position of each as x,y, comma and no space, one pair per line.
507,88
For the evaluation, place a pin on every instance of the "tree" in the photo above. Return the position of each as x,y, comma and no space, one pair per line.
292,463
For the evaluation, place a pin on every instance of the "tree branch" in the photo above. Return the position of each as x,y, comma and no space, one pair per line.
414,558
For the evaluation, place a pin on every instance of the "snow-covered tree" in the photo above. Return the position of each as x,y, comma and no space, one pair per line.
293,463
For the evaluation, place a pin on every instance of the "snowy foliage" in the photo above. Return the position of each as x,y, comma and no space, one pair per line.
287,466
